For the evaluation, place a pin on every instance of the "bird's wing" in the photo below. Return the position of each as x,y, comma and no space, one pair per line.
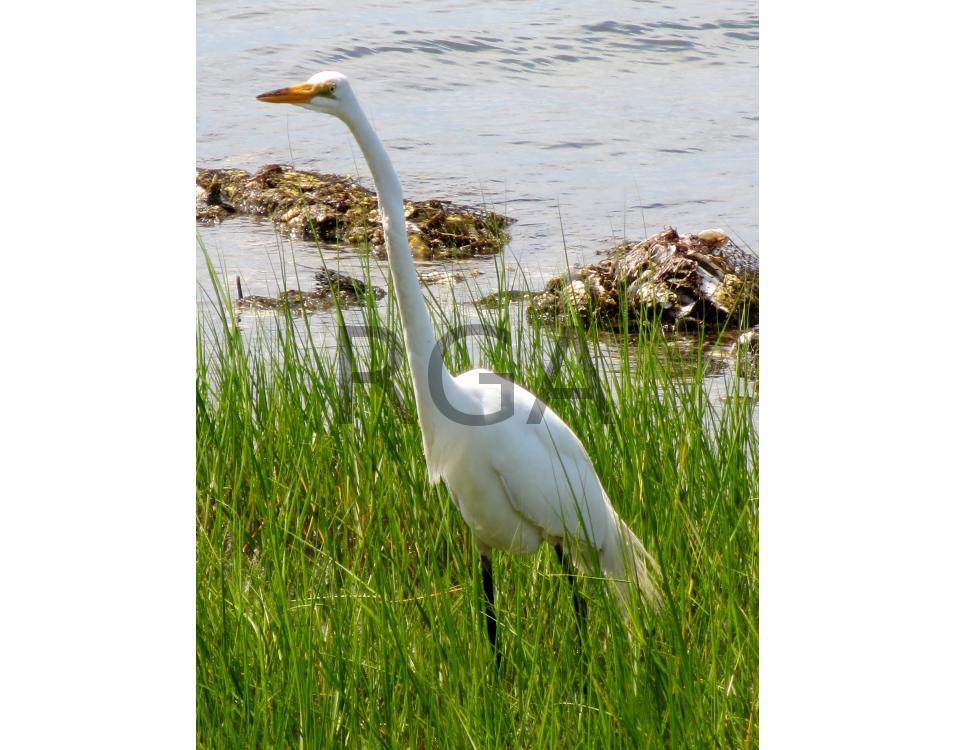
544,468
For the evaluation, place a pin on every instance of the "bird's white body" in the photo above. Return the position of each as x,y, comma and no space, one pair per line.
521,481
520,477
527,480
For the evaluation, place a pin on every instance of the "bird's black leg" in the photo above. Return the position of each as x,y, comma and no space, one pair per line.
489,606
580,606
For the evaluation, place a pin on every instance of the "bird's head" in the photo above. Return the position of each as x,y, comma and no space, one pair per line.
327,92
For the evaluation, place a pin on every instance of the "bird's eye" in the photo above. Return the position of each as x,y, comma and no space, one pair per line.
331,88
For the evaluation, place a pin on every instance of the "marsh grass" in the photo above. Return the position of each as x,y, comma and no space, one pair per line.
338,595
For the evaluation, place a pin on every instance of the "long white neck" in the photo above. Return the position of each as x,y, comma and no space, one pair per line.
418,329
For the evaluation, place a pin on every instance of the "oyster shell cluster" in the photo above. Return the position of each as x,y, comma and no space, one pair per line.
332,208
694,280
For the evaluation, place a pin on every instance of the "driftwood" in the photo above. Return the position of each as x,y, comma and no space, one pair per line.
331,208
696,280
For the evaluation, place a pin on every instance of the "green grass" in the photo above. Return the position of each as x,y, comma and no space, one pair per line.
338,595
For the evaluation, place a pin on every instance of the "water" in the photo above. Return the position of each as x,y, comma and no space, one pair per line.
584,123
560,114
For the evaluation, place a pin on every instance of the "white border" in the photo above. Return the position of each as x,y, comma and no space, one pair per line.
99,362
856,408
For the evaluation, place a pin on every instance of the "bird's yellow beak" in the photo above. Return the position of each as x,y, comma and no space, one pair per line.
298,94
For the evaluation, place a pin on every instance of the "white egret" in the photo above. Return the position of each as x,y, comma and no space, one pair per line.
516,471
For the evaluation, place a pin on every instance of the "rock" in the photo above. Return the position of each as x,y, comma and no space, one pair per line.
686,280
330,285
348,288
331,208
712,236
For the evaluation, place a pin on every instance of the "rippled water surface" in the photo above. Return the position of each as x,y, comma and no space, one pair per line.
585,122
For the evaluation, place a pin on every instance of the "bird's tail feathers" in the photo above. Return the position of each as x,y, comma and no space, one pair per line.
625,561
